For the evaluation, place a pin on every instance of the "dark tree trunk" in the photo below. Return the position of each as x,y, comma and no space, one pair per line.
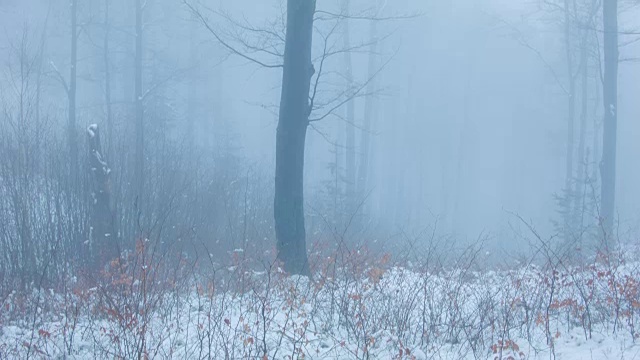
290,138
71,123
610,96
139,157
103,237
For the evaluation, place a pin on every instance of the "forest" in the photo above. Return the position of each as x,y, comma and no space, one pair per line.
303,179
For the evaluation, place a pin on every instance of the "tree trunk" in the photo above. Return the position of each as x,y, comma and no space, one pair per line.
139,156
192,91
71,123
369,112
610,96
350,139
107,80
579,201
103,237
41,50
290,138
571,110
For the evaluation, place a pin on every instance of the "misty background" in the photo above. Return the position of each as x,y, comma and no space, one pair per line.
467,123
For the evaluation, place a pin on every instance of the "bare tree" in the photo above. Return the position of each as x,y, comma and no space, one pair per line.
102,233
370,110
587,53
302,103
107,77
139,108
610,98
71,93
295,109
350,131
569,17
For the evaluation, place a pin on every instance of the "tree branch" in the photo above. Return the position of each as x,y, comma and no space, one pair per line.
229,47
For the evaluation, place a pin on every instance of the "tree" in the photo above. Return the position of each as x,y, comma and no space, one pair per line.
569,15
71,93
370,110
107,78
582,176
299,100
350,133
102,232
139,109
610,100
290,138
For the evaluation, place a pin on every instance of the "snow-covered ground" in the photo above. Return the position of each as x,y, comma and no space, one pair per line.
375,312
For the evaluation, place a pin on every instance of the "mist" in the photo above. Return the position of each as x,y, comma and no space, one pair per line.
381,151
465,107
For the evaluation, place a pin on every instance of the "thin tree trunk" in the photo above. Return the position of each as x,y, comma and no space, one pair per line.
463,146
192,91
578,209
597,139
571,106
290,138
41,49
369,112
71,123
139,156
350,139
610,96
107,77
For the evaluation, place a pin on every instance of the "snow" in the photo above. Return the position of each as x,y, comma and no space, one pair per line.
382,313
91,130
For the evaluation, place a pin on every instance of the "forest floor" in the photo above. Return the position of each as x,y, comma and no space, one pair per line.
360,310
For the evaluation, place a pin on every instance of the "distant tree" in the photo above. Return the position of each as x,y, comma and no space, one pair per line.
610,102
102,233
350,130
107,77
370,109
587,53
139,108
71,93
569,10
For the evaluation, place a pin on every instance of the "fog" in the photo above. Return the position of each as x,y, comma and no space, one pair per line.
464,105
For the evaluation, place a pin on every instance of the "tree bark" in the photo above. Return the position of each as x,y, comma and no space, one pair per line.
610,97
290,139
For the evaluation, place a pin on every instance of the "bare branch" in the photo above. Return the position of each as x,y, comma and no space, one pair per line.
224,43
338,16
521,39
355,93
60,77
